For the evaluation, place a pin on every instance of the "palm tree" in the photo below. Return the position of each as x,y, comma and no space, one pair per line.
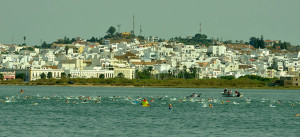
150,69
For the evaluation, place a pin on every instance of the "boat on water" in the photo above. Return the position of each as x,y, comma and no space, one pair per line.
231,95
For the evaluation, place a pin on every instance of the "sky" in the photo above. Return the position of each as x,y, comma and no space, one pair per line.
49,20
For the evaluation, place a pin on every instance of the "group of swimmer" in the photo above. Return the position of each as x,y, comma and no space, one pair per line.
143,102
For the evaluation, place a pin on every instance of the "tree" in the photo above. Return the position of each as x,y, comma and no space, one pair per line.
49,75
45,45
1,76
111,30
69,75
73,40
141,37
261,42
256,42
101,76
43,76
63,75
67,49
120,75
93,39
20,76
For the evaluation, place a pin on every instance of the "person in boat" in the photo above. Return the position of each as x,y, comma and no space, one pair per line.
21,91
225,90
229,92
170,106
238,94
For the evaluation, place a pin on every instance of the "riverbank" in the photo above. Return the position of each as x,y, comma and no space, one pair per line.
167,83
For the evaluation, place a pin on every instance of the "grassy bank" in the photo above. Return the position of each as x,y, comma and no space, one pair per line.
243,83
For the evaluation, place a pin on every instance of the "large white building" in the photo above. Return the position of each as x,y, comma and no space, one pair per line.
217,50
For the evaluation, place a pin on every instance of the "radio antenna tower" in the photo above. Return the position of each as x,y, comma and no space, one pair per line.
12,40
119,26
200,28
140,30
133,25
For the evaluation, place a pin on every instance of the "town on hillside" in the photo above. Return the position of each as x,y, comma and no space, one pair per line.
131,57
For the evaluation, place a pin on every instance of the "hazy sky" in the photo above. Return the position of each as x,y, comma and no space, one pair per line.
49,20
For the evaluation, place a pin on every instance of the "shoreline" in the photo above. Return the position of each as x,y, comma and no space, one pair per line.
92,85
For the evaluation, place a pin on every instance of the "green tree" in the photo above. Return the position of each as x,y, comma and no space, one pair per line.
20,76
111,30
141,37
45,45
256,42
63,75
43,76
120,75
49,75
93,39
101,76
73,40
69,75
67,49
261,42
1,76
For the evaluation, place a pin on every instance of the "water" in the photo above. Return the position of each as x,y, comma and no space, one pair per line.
264,115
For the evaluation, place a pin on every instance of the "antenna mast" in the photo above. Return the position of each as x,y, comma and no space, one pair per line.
200,28
140,30
133,25
119,26
12,40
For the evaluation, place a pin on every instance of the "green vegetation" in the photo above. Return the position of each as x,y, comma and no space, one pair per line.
1,76
28,48
102,76
247,81
283,45
257,43
20,76
43,76
45,45
49,75
200,39
63,75
120,75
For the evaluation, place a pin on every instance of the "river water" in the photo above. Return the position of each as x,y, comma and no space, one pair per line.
44,111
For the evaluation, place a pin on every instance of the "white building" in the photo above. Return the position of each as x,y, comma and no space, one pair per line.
217,50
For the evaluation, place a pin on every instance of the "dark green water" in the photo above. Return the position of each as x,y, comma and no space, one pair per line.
264,115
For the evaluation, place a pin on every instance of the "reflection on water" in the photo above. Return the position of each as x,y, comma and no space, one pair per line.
117,111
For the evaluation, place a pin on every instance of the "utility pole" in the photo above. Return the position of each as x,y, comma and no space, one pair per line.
140,30
133,25
200,28
119,26
12,40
